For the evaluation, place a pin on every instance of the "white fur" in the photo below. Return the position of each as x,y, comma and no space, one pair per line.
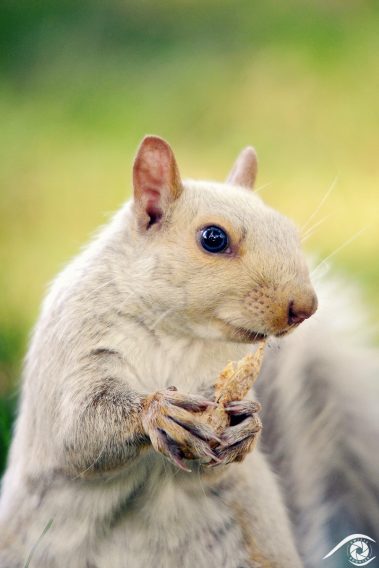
145,299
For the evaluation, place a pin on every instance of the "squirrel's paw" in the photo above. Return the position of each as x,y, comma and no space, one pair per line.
242,435
174,431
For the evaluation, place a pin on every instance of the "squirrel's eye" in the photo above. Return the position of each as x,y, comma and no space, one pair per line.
214,239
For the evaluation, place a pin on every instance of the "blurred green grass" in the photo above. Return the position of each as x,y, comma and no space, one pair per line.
81,83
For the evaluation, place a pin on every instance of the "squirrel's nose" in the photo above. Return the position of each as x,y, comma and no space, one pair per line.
298,311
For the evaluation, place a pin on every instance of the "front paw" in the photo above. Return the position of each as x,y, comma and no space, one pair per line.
241,436
174,430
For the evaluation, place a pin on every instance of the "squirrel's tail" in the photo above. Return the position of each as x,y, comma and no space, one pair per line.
319,390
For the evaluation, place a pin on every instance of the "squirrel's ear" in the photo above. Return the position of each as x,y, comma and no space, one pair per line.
156,180
245,168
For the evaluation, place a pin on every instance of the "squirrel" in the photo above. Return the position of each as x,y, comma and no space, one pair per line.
110,464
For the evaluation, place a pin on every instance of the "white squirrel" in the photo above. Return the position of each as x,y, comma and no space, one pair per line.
186,276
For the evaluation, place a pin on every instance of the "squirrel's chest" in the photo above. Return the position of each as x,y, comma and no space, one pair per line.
187,364
175,524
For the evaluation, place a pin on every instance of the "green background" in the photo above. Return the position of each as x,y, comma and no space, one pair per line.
82,82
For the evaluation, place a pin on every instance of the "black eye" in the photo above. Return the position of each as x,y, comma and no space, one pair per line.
214,239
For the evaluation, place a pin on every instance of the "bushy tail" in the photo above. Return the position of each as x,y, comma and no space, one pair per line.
320,392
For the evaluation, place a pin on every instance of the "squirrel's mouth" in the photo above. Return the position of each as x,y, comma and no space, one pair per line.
245,335
241,334
251,335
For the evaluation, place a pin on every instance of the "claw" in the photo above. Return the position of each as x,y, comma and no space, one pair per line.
246,429
237,452
243,407
212,455
179,463
216,463
199,430
171,451
194,403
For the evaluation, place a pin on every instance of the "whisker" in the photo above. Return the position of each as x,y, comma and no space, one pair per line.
161,317
91,464
327,194
95,290
309,232
47,527
338,249
202,485
262,187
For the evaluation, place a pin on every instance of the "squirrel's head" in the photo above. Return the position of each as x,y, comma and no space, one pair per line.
223,264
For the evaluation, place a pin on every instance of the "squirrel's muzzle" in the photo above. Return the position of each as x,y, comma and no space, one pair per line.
279,309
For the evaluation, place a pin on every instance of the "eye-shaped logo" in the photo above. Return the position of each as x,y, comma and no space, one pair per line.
359,549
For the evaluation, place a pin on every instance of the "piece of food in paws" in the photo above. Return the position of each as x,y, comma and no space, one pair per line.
234,383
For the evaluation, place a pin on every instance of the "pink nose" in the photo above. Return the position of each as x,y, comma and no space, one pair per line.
297,313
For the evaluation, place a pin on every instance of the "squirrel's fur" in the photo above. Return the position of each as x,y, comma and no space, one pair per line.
143,308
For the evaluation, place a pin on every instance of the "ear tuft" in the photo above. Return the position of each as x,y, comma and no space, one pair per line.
245,169
156,180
